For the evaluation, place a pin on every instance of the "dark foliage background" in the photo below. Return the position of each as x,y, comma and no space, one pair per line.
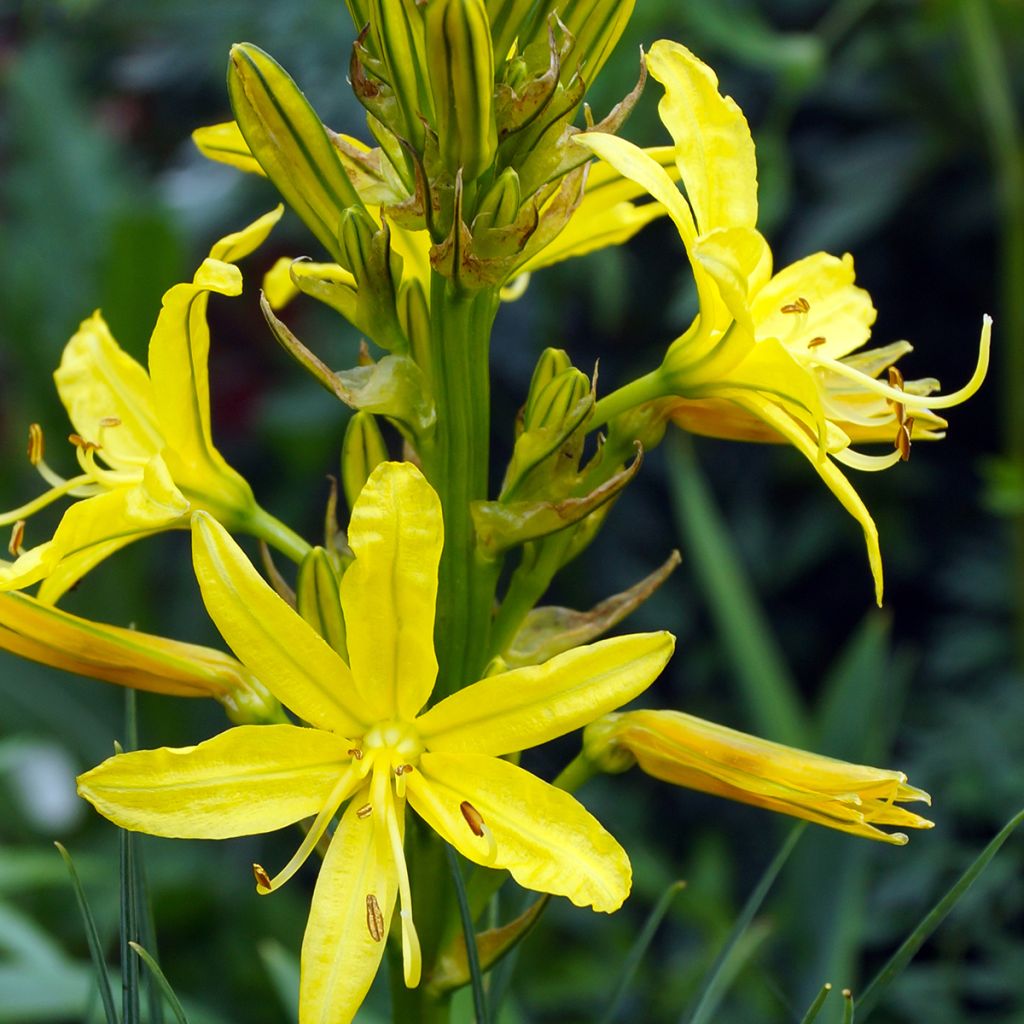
887,129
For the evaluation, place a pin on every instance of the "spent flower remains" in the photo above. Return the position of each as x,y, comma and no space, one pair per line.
411,663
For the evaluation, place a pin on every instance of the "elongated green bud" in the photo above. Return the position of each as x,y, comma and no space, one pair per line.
318,599
500,205
286,137
362,451
555,403
508,21
460,62
551,363
596,25
399,29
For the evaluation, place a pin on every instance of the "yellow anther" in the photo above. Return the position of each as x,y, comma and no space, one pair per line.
36,444
80,442
374,918
800,306
815,342
365,811
17,536
356,754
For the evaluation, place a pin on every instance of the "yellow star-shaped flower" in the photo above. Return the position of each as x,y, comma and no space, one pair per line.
369,742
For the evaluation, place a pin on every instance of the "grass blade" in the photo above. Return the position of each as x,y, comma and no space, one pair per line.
761,669
636,954
161,980
719,975
933,919
847,1006
469,933
93,938
819,1001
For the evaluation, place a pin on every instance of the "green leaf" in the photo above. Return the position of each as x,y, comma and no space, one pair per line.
639,949
815,1008
767,687
469,938
932,920
283,970
161,980
93,939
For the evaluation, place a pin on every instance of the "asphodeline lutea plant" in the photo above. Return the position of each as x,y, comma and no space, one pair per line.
769,357
142,440
372,744
412,654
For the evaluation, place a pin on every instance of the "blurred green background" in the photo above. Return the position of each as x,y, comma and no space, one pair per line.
887,129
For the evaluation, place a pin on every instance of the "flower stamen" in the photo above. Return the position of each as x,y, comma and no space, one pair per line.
374,918
14,546
801,305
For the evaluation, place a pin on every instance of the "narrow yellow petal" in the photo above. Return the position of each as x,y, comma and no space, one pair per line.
99,383
528,706
389,592
349,918
827,470
542,835
296,664
278,285
250,779
239,244
224,143
714,150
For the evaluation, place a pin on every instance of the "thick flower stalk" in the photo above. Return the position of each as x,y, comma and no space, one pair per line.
142,440
769,356
691,752
369,742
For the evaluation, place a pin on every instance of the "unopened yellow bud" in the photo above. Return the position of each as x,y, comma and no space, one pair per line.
556,404
460,63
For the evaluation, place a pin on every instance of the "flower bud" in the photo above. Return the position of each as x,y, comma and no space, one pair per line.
362,451
460,64
318,600
500,205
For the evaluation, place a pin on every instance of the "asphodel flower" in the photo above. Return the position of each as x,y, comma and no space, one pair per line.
142,440
127,657
369,742
688,751
770,357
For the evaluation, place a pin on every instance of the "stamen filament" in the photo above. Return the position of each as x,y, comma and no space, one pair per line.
866,463
342,789
62,488
412,957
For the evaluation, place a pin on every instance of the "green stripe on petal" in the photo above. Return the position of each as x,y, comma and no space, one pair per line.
389,593
344,939
528,706
248,780
296,664
542,835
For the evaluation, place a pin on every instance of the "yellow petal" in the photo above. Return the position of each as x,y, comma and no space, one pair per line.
250,779
714,150
225,144
542,835
296,664
348,920
739,261
389,592
98,381
826,469
239,244
178,352
278,285
838,311
528,706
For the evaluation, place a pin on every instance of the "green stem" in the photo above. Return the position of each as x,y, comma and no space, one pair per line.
579,770
266,527
636,392
455,461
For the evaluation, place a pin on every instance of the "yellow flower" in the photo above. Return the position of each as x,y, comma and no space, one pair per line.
769,357
688,751
371,743
127,657
142,439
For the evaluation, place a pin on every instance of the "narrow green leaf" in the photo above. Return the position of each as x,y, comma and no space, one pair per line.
847,1006
720,974
815,1008
469,933
93,938
761,670
161,980
639,949
283,971
130,1003
933,919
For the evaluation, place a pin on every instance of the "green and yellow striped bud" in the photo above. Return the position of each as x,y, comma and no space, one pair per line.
500,204
399,35
362,451
509,18
318,599
551,363
460,63
285,136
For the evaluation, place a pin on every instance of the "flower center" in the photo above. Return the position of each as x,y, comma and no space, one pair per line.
397,741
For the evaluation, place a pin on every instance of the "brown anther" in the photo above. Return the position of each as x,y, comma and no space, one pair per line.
407,769
17,536
903,434
365,811
374,918
815,342
895,378
800,306
36,444
473,818
261,876
110,421
356,754
80,442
